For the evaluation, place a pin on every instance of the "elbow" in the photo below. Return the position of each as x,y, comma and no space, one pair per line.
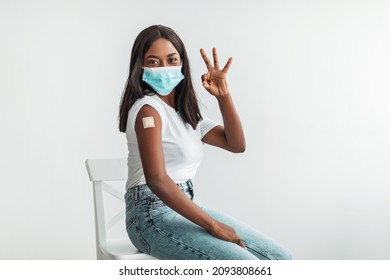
154,181
242,149
238,149
237,145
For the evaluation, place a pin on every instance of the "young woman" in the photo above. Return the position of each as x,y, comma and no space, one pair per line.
165,134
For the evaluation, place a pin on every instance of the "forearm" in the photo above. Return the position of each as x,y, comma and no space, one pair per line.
153,163
232,124
176,199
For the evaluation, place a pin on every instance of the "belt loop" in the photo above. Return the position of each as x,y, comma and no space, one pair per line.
190,188
136,194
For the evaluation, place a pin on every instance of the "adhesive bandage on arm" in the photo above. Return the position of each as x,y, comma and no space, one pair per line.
148,122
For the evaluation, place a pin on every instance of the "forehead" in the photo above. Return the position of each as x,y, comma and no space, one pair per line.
161,47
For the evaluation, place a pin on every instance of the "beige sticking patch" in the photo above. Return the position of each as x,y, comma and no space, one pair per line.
148,122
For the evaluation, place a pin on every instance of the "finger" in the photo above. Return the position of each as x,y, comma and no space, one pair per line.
215,57
206,86
206,59
206,77
241,243
227,66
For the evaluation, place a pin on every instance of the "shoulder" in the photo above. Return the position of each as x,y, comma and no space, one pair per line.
147,118
146,100
145,105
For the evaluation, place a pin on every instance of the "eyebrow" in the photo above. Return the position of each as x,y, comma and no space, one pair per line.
155,56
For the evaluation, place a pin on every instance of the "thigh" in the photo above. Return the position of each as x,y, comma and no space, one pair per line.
171,236
257,243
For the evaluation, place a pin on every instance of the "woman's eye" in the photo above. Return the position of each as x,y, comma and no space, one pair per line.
152,62
172,60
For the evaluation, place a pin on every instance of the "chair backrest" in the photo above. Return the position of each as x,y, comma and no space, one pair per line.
112,169
104,173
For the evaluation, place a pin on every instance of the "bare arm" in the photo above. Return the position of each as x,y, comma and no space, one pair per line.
152,157
230,136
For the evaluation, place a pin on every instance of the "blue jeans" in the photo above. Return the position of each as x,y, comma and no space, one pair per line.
157,230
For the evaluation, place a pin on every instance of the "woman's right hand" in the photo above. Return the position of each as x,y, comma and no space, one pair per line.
225,232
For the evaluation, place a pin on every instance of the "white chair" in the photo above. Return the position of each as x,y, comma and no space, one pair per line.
104,173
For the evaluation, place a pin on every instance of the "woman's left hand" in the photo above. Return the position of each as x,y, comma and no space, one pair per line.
214,81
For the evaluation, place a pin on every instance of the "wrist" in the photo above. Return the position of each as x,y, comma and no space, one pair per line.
211,225
224,97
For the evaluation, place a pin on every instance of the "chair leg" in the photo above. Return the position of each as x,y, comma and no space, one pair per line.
99,254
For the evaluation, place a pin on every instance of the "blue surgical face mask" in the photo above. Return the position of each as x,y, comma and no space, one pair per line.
162,79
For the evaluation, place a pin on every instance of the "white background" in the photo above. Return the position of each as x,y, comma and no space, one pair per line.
310,80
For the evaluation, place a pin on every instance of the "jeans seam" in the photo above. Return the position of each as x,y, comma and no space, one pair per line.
145,245
260,252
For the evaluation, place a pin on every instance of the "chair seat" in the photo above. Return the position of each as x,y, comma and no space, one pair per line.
122,250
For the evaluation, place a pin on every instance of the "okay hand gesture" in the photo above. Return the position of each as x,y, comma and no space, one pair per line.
214,81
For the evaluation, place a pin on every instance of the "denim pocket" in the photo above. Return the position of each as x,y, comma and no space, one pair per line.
157,207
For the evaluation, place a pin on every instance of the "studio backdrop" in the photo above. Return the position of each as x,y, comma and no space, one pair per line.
310,80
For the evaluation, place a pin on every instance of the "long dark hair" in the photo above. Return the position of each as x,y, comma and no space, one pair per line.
185,98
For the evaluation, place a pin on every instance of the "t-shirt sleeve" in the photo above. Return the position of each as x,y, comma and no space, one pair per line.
206,125
137,107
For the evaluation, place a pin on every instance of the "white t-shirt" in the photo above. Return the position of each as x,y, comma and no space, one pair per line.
182,145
